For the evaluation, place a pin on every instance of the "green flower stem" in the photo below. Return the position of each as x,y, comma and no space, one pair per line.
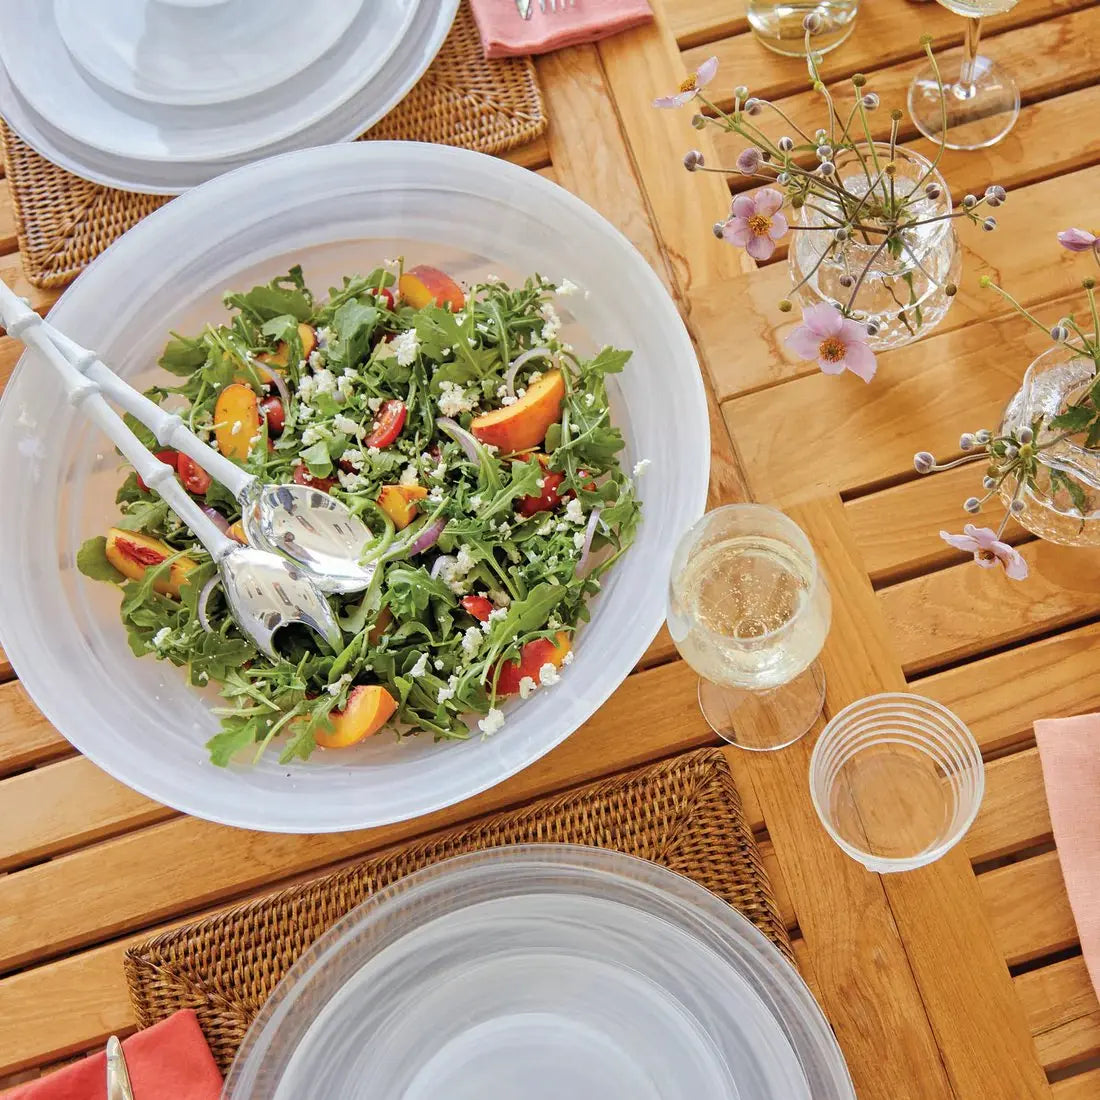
863,274
943,120
786,118
810,274
1016,305
1095,319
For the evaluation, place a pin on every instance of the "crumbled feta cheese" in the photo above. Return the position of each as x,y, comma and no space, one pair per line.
311,436
501,599
561,525
546,528
492,278
447,692
345,386
475,504
465,561
641,467
306,388
336,688
325,381
567,288
574,512
324,335
495,616
552,560
526,686
353,458
346,425
406,346
305,412
578,539
160,639
315,361
502,391
548,675
535,376
508,399
374,452
590,399
554,623
471,641
420,667
352,482
374,403
492,722
568,658
408,475
454,400
437,664
440,470
552,327
436,495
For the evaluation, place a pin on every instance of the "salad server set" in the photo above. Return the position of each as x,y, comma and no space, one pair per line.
302,543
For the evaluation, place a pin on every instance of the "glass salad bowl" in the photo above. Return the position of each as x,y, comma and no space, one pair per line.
334,210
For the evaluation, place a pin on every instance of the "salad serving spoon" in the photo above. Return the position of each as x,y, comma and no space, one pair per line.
264,591
302,523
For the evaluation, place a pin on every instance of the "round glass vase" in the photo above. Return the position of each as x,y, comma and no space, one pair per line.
1064,503
902,294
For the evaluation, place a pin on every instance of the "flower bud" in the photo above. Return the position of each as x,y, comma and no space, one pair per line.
741,92
1016,507
996,191
821,137
785,144
841,234
1059,334
753,106
859,79
1088,283
846,281
719,229
969,202
983,435
827,168
748,161
972,505
950,289
872,328
1011,450
812,23
989,482
693,159
989,224
923,461
797,202
698,122
891,169
933,190
785,305
823,152
1025,435
870,101
966,442
896,115
783,179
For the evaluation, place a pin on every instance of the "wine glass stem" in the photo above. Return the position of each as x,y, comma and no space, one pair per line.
964,89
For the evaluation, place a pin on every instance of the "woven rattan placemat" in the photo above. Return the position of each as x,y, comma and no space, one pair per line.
64,222
684,814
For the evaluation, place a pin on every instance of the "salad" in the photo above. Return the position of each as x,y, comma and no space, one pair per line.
476,445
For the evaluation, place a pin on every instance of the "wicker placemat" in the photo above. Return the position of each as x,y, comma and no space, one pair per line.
64,222
684,814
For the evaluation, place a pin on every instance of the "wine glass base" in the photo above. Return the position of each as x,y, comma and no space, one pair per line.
761,721
979,113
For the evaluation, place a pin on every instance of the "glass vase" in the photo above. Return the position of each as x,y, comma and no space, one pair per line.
777,24
1067,469
904,295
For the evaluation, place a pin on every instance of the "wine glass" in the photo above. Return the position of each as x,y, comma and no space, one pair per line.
980,101
748,609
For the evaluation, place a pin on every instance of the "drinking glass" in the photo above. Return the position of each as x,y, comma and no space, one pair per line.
749,609
777,24
980,98
897,780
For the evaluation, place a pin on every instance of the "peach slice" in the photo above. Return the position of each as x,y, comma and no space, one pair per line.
278,357
399,502
236,420
132,553
236,532
521,426
531,659
368,709
422,285
382,622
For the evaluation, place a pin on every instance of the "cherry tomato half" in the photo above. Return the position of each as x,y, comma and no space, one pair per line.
388,425
274,414
478,606
387,297
167,457
303,477
195,479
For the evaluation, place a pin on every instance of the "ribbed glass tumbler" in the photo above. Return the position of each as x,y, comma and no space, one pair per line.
897,780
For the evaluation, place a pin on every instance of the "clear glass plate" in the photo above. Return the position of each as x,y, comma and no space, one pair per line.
542,972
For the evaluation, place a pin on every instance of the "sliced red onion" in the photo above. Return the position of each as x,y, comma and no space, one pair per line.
204,598
428,537
589,535
524,357
459,434
220,522
437,565
279,382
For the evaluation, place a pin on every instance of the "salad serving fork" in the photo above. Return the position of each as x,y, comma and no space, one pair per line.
526,7
263,589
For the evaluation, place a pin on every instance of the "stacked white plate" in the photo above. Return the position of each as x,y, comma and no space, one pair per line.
160,95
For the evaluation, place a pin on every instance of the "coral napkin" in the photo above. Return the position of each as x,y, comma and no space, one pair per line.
505,34
1069,749
169,1061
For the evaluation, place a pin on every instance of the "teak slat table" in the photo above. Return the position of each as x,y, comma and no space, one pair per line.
961,980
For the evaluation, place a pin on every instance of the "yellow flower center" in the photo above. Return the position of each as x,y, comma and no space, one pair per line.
986,555
688,83
759,224
831,349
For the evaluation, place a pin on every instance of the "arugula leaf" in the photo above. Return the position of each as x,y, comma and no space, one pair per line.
183,355
1074,419
407,591
234,737
353,325
286,294
608,361
91,560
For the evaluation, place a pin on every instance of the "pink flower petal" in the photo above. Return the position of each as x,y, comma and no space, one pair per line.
706,72
982,536
823,320
768,201
779,227
1012,560
743,206
829,367
803,342
677,100
860,360
960,542
760,248
985,561
737,232
1077,240
853,332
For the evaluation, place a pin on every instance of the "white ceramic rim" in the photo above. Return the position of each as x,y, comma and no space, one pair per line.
967,744
170,223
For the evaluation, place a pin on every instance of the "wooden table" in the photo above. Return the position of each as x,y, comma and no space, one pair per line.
961,980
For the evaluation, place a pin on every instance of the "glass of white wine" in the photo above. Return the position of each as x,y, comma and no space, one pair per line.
749,609
980,101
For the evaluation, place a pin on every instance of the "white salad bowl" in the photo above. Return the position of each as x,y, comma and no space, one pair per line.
336,210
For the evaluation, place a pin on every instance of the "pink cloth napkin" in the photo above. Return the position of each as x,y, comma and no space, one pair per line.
505,34
169,1061
1069,749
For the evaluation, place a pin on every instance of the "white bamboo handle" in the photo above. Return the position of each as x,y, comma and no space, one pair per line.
83,393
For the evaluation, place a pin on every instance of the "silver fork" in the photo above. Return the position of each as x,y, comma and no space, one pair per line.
554,6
